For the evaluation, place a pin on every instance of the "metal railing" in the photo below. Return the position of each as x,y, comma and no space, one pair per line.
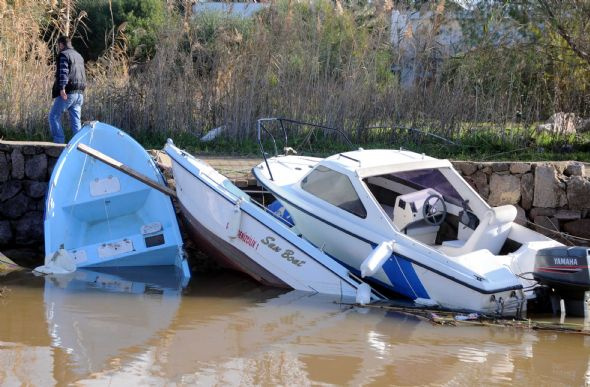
261,128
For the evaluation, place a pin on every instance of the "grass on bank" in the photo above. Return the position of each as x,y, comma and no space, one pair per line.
476,145
488,144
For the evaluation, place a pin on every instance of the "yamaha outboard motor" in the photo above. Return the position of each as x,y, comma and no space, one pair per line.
565,271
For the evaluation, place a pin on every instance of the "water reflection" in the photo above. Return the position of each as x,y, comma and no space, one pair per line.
145,328
93,327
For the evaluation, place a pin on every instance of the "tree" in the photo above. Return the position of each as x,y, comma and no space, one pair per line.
571,20
63,17
140,20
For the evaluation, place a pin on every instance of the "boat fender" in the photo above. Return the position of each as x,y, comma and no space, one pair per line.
235,220
377,258
363,294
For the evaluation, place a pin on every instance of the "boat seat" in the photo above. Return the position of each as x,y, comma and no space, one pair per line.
119,204
419,230
422,231
388,210
491,233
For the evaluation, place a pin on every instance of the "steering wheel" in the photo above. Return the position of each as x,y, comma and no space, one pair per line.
434,210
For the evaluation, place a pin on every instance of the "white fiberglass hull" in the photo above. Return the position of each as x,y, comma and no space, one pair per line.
413,272
483,283
232,228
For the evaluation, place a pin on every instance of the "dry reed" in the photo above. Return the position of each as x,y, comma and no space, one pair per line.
310,61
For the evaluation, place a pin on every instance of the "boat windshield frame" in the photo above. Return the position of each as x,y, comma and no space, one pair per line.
261,128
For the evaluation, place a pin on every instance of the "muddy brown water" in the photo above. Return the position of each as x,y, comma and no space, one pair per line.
122,328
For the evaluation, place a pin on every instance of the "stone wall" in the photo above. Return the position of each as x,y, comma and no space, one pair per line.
549,196
25,169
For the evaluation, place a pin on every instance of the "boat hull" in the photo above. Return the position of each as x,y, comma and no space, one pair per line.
230,226
228,255
418,281
412,270
101,217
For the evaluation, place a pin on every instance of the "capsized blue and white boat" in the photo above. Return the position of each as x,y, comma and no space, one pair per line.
98,216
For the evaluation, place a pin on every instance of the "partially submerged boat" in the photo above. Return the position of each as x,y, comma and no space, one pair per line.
231,226
410,225
98,216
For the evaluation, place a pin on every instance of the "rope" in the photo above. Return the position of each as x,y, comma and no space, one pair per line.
522,275
106,210
564,235
447,317
78,185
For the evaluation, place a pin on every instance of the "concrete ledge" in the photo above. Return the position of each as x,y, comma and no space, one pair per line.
32,143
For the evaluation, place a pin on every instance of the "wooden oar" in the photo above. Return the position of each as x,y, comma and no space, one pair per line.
125,169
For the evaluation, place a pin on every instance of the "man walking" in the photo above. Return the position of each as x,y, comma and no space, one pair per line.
68,89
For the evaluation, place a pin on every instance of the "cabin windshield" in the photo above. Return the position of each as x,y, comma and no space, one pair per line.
334,188
428,178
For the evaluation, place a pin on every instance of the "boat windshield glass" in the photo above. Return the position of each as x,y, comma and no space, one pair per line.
335,188
429,178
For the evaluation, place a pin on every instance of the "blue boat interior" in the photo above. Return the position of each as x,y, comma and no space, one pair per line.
108,214
112,216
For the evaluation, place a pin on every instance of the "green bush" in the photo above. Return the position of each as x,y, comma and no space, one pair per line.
140,21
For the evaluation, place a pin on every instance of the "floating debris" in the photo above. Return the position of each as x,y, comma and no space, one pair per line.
7,265
451,318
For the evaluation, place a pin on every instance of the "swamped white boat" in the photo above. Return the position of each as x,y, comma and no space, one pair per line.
228,224
409,224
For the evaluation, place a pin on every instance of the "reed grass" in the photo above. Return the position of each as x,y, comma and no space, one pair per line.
24,71
305,60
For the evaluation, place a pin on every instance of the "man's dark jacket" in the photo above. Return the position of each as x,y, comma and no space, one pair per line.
70,62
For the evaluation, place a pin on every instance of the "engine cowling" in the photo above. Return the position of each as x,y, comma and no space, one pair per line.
565,271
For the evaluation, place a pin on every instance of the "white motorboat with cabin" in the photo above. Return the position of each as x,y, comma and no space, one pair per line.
411,225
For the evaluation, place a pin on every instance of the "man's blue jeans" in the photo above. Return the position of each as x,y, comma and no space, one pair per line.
74,106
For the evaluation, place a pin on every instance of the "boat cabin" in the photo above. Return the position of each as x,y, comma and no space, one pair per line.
419,196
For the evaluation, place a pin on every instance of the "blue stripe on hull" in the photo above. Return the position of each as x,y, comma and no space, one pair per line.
479,289
402,275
